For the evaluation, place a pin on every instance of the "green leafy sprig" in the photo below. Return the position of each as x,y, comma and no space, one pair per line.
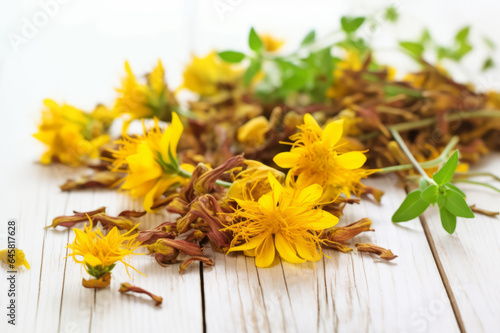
439,190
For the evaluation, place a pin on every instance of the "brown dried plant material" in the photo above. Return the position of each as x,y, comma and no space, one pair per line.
69,221
164,201
375,249
337,207
103,179
483,211
375,192
166,250
164,230
127,287
337,238
122,221
190,260
100,283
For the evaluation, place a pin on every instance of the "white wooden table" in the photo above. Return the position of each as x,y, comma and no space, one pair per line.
439,283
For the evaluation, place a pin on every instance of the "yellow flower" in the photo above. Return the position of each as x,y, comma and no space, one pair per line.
71,135
148,100
315,159
271,44
286,220
253,181
253,133
210,75
98,253
151,162
16,257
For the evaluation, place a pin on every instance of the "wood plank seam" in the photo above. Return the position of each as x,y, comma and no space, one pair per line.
442,273
63,283
202,282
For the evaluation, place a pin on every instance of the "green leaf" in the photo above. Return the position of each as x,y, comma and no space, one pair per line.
423,184
448,220
456,205
441,199
430,194
425,37
445,174
309,38
443,52
251,71
488,63
489,43
454,188
414,49
254,41
351,24
391,14
459,53
412,207
231,56
462,35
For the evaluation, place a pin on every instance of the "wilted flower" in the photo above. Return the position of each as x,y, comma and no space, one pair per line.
375,249
100,253
122,221
149,100
315,158
286,220
127,287
210,75
72,136
253,133
338,237
151,162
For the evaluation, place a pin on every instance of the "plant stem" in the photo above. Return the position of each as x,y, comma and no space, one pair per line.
187,174
475,183
427,164
429,121
462,175
410,156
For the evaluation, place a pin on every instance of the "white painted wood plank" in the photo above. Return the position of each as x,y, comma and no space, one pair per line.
32,190
470,256
349,292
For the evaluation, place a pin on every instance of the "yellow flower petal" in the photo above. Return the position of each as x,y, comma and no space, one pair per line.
91,260
309,253
171,137
276,186
310,121
332,133
311,193
286,251
158,189
351,160
286,160
266,201
251,244
325,221
264,255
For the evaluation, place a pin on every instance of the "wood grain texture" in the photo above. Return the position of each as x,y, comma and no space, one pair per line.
349,292
470,256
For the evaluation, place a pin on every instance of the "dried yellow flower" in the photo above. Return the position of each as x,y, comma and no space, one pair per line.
315,158
286,220
253,133
14,257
